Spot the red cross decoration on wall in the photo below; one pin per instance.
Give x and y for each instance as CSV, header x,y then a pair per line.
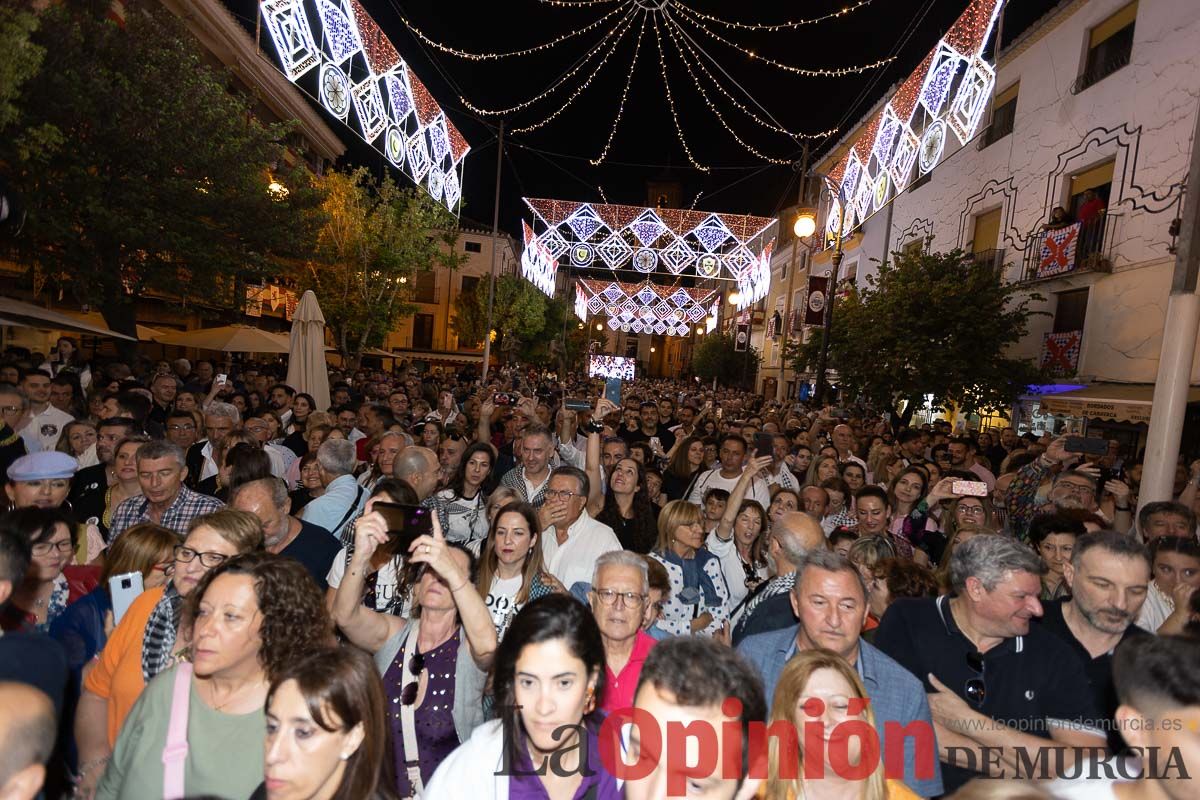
x,y
1058,251
1060,352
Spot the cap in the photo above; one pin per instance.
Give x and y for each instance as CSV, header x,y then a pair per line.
x,y
43,466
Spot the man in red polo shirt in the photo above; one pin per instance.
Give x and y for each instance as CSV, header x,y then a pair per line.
x,y
620,597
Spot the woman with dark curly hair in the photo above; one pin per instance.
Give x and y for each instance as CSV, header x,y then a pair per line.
x,y
626,508
198,727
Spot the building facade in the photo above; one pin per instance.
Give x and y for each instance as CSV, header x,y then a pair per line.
x,y
1093,113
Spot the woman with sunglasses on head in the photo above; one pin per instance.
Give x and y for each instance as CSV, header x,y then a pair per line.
x,y
146,641
549,671
462,505
434,666
327,732
738,539
511,571
197,729
51,583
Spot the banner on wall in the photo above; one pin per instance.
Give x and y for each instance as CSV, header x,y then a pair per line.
x,y
818,296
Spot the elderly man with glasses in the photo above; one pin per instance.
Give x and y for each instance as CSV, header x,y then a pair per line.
x,y
1076,488
572,540
620,602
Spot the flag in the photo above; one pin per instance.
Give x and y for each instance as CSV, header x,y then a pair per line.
x,y
741,340
814,311
1060,352
1058,251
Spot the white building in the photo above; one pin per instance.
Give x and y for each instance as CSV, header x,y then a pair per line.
x,y
1099,95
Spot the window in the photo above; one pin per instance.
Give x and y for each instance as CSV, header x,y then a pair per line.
x,y
423,332
914,248
850,271
1071,311
1004,114
921,181
631,347
469,284
425,288
473,247
1098,179
987,231
1110,45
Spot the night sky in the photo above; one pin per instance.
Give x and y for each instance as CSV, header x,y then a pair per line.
x,y
554,161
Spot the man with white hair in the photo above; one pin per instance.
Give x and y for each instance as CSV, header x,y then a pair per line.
x,y
219,420
343,497
997,685
619,598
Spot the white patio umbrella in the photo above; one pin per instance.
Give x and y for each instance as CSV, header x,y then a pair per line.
x,y
307,370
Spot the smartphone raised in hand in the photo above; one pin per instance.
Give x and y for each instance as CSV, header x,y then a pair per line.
x,y
969,489
405,523
612,391
764,444
124,589
1088,445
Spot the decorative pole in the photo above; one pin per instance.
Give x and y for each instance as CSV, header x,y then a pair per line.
x,y
487,334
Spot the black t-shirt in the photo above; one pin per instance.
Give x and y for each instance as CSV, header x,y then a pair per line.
x,y
1099,669
665,437
315,549
1033,682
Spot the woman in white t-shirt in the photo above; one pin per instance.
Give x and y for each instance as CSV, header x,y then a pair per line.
x,y
384,590
510,569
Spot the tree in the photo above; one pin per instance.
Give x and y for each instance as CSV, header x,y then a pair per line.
x,y
142,173
20,60
715,357
552,349
375,239
935,324
518,313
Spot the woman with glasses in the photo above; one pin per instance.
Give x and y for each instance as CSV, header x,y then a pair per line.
x,y
145,642
699,601
51,583
820,689
549,672
248,619
738,539
511,571
462,505
1053,536
434,666
967,511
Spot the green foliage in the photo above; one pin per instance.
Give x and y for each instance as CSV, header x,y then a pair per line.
x,y
518,313
374,241
929,324
552,349
20,57
142,172
714,357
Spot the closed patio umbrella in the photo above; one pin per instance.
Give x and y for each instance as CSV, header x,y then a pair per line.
x,y
307,370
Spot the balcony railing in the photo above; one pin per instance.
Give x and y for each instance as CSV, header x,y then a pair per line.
x,y
1079,247
993,258
1100,71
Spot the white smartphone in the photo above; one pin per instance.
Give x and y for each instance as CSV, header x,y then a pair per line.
x,y
124,589
222,378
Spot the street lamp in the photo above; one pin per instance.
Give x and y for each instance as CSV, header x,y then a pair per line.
x,y
806,223
599,326
830,291
735,297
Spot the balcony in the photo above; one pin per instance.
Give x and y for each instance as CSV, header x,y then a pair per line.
x,y
993,258
1079,247
1101,70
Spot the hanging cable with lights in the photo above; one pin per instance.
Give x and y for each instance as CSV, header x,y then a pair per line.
x,y
810,73
662,65
762,26
716,111
624,95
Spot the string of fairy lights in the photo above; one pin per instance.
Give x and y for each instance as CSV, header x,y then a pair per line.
x,y
679,20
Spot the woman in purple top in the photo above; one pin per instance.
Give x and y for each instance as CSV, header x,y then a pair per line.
x,y
549,670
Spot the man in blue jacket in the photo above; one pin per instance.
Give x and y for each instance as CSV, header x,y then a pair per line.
x,y
830,600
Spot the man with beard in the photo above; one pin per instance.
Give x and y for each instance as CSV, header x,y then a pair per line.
x,y
281,400
1109,576
1071,489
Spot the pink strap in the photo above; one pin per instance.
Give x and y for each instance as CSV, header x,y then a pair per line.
x,y
174,756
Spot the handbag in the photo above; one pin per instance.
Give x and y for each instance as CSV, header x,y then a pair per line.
x,y
174,755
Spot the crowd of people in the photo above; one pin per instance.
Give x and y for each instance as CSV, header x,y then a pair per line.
x,y
443,587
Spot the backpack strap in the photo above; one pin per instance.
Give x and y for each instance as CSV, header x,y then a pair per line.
x,y
174,755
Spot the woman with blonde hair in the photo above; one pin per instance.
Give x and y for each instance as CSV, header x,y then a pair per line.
x,y
819,687
820,470
699,601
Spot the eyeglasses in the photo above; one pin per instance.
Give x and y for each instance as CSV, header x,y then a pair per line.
x,y
555,494
46,548
209,560
12,409
971,511
975,689
1074,488
416,664
610,596
187,427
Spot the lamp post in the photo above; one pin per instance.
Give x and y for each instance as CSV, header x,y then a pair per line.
x,y
830,294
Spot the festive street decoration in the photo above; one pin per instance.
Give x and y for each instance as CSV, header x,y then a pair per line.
x,y
645,307
360,78
538,265
680,21
946,95
651,241
1058,251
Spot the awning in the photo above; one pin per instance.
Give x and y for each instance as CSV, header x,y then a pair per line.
x,y
1118,402
15,312
439,356
144,332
